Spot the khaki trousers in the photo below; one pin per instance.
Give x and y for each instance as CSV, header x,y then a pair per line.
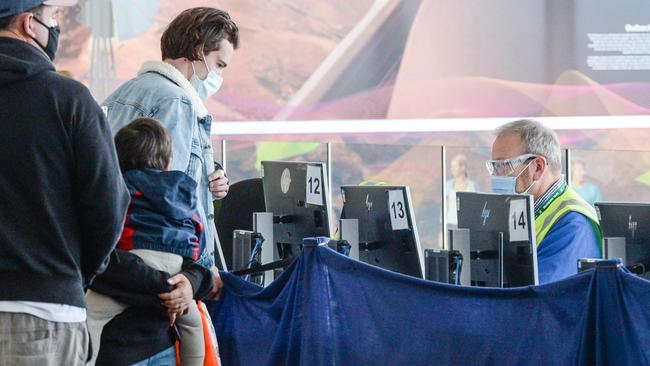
x,y
28,340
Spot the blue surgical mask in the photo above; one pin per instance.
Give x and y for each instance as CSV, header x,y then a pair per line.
x,y
506,184
210,85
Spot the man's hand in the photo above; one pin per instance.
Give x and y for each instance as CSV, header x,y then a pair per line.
x,y
217,285
178,300
218,184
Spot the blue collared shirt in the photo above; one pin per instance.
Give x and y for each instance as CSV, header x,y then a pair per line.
x,y
557,187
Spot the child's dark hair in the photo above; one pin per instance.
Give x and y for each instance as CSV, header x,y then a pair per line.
x,y
143,143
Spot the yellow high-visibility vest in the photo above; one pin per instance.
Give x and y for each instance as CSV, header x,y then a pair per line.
x,y
570,200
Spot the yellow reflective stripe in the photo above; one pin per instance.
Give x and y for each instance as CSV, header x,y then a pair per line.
x,y
554,216
568,201
577,205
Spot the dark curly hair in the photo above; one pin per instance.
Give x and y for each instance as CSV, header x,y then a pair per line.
x,y
195,28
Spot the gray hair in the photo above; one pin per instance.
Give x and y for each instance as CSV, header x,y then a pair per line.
x,y
537,139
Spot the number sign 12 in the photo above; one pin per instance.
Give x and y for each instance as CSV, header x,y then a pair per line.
x,y
314,185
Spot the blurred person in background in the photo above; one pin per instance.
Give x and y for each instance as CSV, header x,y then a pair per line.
x,y
589,191
459,183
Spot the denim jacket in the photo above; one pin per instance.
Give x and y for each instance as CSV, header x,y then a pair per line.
x,y
161,92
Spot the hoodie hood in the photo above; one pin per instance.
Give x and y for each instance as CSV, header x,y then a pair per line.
x,y
20,60
170,193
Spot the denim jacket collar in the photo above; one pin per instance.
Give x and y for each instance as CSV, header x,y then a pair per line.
x,y
171,73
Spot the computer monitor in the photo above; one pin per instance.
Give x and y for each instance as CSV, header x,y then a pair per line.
x,y
501,238
297,195
388,235
632,222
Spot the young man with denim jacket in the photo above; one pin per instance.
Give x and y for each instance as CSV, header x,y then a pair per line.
x,y
196,46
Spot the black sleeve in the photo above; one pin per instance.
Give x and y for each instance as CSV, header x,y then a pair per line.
x,y
102,196
200,278
129,280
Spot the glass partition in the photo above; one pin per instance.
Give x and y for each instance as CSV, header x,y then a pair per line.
x,y
598,175
622,176
465,172
416,166
244,157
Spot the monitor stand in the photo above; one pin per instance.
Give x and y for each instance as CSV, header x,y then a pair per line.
x,y
614,248
349,229
459,240
263,224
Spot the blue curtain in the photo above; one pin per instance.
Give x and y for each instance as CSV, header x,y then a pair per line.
x,y
329,310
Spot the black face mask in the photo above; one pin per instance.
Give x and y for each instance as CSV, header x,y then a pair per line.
x,y
52,41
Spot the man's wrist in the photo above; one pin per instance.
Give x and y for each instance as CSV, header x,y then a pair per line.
x,y
200,279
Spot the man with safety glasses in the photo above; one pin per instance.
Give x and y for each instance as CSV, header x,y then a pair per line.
x,y
527,159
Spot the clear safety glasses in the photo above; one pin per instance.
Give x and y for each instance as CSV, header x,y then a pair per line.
x,y
507,167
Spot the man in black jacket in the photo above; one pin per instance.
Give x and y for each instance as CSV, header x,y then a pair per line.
x,y
62,198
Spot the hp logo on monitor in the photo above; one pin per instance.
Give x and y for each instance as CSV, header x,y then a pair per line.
x,y
485,214
368,203
631,225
